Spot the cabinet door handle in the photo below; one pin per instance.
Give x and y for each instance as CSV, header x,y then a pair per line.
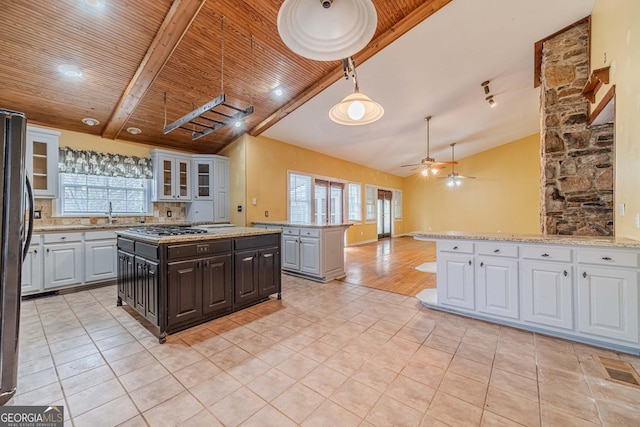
x,y
545,255
607,258
482,264
63,237
497,251
469,262
47,250
268,255
584,274
455,248
35,251
565,273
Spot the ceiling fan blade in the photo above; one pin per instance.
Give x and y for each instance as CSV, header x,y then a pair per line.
x,y
408,166
446,163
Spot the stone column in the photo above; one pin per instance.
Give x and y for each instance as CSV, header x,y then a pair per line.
x,y
577,161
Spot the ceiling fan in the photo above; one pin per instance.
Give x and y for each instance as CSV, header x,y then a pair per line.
x,y
428,164
454,179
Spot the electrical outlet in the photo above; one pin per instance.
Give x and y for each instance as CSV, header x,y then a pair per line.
x,y
266,214
254,201
168,214
37,214
638,220
621,208
239,208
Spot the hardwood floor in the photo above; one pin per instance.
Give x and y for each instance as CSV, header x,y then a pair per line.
x,y
389,265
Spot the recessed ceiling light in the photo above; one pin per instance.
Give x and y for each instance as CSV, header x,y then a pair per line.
x,y
278,91
90,121
238,123
70,71
94,3
134,131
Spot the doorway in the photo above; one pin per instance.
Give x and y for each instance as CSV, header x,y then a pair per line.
x,y
384,214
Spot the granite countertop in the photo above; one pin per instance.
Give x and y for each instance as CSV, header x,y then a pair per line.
x,y
95,227
619,242
212,233
305,225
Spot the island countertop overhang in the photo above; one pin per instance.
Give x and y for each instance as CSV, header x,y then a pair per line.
x,y
216,233
613,242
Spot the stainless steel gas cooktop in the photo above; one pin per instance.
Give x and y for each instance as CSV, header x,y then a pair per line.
x,y
167,230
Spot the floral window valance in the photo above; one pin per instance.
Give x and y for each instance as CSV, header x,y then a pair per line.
x,y
106,164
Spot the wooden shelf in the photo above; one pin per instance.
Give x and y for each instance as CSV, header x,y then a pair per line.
x,y
596,80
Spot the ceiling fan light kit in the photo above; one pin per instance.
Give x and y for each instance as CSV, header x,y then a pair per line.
x,y
327,30
454,179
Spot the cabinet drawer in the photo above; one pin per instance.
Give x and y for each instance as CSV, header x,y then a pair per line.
x,y
608,257
146,250
290,231
99,235
62,238
458,246
199,249
497,249
548,253
310,232
126,245
242,243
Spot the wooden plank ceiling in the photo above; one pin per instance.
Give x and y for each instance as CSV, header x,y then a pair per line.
x,y
133,52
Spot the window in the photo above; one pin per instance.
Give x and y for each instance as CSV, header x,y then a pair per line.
x,y
315,199
397,205
91,194
355,202
328,202
299,198
370,203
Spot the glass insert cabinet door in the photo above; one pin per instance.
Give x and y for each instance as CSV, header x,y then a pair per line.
x,y
203,175
183,178
167,178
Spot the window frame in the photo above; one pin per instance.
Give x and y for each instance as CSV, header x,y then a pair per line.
x,y
348,196
314,178
397,196
373,219
58,205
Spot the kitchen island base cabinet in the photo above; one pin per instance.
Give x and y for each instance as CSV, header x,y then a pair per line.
x,y
577,291
177,286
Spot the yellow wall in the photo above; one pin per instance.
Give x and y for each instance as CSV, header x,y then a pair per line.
x,y
267,164
237,180
85,141
503,197
615,31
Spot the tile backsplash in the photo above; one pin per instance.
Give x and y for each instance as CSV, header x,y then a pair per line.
x,y
178,214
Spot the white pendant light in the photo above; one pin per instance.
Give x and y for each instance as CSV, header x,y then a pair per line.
x,y
327,30
356,108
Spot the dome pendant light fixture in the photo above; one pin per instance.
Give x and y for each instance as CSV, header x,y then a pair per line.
x,y
327,30
356,108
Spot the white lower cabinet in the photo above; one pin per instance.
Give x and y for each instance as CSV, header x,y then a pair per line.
x,y
310,255
608,303
100,251
32,277
547,294
314,252
291,252
456,271
62,263
58,260
532,286
497,286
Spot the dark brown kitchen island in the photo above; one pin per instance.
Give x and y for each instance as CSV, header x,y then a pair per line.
x,y
179,277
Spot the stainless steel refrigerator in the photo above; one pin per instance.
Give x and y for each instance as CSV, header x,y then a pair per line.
x,y
16,226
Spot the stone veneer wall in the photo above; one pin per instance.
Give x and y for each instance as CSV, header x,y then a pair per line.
x,y
577,161
178,214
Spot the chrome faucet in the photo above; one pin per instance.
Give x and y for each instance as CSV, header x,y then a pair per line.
x,y
110,214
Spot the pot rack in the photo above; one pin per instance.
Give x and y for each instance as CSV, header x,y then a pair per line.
x,y
216,113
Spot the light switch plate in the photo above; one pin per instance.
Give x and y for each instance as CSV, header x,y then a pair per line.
x,y
621,208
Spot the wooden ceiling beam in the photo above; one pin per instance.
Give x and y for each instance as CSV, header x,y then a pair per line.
x,y
173,28
418,15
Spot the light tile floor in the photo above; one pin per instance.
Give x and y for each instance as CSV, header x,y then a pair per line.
x,y
326,355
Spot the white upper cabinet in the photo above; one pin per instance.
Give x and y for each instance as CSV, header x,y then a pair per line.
x,y
203,178
171,175
42,161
